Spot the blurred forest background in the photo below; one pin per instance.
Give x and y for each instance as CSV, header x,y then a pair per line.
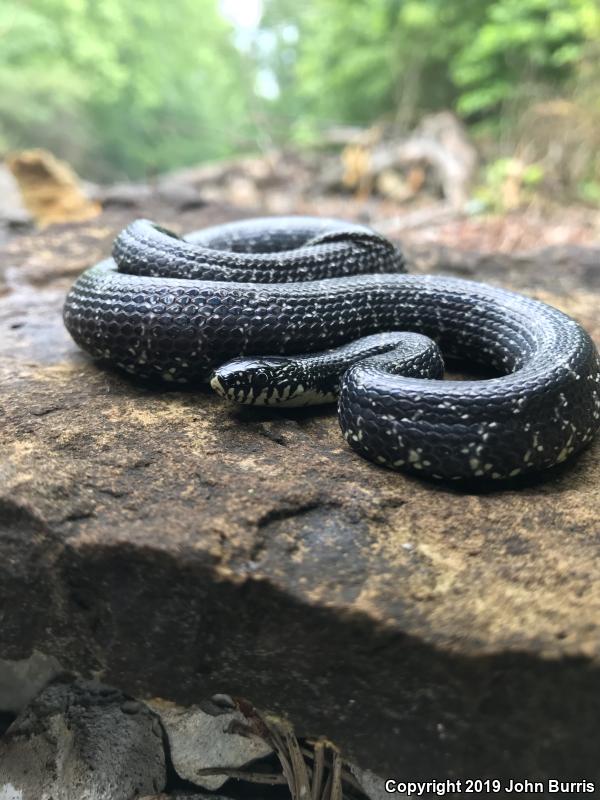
x,y
125,90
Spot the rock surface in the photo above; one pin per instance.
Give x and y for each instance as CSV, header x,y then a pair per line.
x,y
82,740
50,189
181,548
20,681
373,786
199,740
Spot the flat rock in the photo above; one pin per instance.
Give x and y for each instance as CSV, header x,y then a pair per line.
x,y
82,740
180,548
200,741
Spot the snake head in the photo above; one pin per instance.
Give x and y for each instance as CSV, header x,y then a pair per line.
x,y
261,380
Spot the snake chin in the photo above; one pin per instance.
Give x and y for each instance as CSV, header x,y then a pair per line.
x,y
217,386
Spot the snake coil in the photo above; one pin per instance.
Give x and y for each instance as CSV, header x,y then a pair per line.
x,y
299,310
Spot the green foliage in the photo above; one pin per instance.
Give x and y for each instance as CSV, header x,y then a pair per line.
x,y
521,46
121,88
355,61
590,192
507,183
125,89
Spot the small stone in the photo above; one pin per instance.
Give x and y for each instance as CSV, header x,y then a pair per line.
x,y
73,741
223,700
372,785
200,741
131,707
21,680
50,189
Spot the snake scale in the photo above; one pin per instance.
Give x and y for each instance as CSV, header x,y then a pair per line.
x,y
299,310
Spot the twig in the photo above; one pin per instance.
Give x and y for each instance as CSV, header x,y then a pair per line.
x,y
251,777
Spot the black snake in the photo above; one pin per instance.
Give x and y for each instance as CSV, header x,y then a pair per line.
x,y
289,298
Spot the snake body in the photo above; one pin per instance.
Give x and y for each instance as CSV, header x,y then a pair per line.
x,y
298,310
